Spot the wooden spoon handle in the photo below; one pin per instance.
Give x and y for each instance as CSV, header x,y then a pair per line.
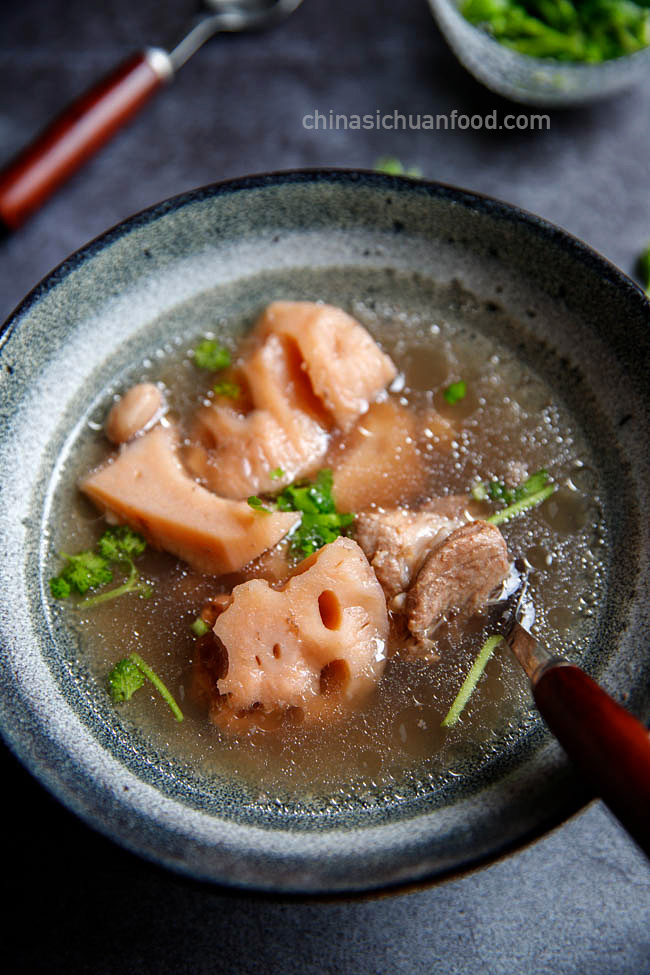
x,y
608,745
78,133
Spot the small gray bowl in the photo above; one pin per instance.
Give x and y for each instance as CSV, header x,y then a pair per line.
x,y
331,234
535,81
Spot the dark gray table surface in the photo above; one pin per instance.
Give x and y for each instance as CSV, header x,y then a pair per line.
x,y
578,901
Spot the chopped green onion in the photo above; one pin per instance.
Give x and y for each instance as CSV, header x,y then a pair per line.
x,y
212,355
470,682
199,627
231,390
455,392
531,501
276,473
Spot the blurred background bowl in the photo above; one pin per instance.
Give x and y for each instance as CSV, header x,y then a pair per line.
x,y
542,82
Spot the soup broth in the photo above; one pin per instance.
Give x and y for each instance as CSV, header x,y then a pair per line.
x,y
510,421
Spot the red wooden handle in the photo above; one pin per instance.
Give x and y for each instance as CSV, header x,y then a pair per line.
x,y
78,133
608,745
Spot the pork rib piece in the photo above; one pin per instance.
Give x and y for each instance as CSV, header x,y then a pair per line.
x,y
397,541
458,573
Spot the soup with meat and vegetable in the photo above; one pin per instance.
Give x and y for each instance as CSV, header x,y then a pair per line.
x,y
284,552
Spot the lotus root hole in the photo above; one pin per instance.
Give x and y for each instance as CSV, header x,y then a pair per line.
x,y
334,677
330,610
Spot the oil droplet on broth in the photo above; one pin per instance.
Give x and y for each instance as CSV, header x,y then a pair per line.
x,y
504,420
566,511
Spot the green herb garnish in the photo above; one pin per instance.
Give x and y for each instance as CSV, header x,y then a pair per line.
x,y
258,505
128,676
321,522
497,491
393,167
455,392
121,544
124,680
644,269
470,682
199,627
565,30
276,473
531,501
212,355
231,390
534,490
117,548
84,571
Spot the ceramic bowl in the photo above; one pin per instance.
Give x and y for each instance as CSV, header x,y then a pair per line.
x,y
331,234
535,81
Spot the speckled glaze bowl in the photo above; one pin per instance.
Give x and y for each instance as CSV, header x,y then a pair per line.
x,y
582,324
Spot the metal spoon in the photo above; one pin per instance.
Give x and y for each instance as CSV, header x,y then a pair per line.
x,y
609,747
86,125
229,16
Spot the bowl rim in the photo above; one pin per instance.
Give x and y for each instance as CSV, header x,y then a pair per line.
x,y
483,202
554,235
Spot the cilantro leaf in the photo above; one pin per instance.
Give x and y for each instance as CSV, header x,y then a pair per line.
x,y
124,680
121,544
534,490
521,505
321,522
565,30
228,389
258,505
85,571
128,676
91,569
497,491
644,269
212,355
470,682
455,392
60,587
316,530
393,167
532,485
199,627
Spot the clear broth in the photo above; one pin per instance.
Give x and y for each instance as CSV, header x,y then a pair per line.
x,y
509,417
